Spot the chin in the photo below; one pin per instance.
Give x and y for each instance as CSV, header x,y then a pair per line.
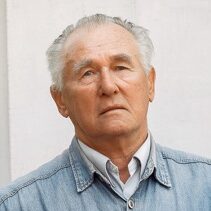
x,y
116,130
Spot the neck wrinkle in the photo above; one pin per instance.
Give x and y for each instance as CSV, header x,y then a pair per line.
x,y
122,147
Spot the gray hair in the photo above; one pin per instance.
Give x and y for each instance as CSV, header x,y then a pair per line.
x,y
55,53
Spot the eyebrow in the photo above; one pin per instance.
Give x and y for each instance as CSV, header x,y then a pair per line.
x,y
122,58
76,66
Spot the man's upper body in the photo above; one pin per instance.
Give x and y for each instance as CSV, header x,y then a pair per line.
x,y
171,180
103,81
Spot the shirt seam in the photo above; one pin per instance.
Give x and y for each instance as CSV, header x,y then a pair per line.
x,y
187,161
30,182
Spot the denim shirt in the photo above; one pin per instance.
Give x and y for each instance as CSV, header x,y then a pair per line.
x,y
178,182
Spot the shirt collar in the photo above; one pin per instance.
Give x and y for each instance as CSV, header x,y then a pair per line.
x,y
98,160
157,165
142,154
104,165
83,170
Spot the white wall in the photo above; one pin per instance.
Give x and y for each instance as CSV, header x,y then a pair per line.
x,y
4,124
180,115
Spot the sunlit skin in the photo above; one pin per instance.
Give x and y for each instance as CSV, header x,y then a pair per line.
x,y
106,92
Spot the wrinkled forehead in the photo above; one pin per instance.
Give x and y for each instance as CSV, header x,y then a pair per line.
x,y
102,39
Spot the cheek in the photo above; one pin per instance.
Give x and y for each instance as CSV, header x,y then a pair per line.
x,y
137,86
138,96
80,100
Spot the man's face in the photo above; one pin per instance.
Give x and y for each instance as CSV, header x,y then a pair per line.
x,y
105,89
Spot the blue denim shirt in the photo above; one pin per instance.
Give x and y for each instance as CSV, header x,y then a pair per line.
x,y
178,182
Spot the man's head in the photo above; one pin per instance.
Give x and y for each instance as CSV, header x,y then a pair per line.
x,y
56,57
105,80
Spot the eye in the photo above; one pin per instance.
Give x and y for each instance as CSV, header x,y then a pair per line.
x,y
88,73
88,76
119,68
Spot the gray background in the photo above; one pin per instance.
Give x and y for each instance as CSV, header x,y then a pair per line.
x,y
31,130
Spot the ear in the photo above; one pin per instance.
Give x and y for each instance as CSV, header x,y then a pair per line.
x,y
58,98
151,83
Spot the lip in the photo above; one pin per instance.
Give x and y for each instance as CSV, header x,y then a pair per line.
x,y
110,108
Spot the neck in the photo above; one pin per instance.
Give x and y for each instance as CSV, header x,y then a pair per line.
x,y
122,156
119,150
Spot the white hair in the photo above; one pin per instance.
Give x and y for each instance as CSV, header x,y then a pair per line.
x,y
55,53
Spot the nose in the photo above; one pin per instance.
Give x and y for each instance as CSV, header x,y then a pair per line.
x,y
107,83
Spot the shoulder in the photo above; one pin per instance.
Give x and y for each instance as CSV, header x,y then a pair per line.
x,y
46,171
185,168
181,157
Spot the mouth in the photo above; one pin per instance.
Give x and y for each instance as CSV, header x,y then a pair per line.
x,y
112,108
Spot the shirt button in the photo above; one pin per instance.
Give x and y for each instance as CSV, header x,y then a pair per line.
x,y
131,204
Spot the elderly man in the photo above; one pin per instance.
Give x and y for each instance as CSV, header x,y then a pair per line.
x,y
103,81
